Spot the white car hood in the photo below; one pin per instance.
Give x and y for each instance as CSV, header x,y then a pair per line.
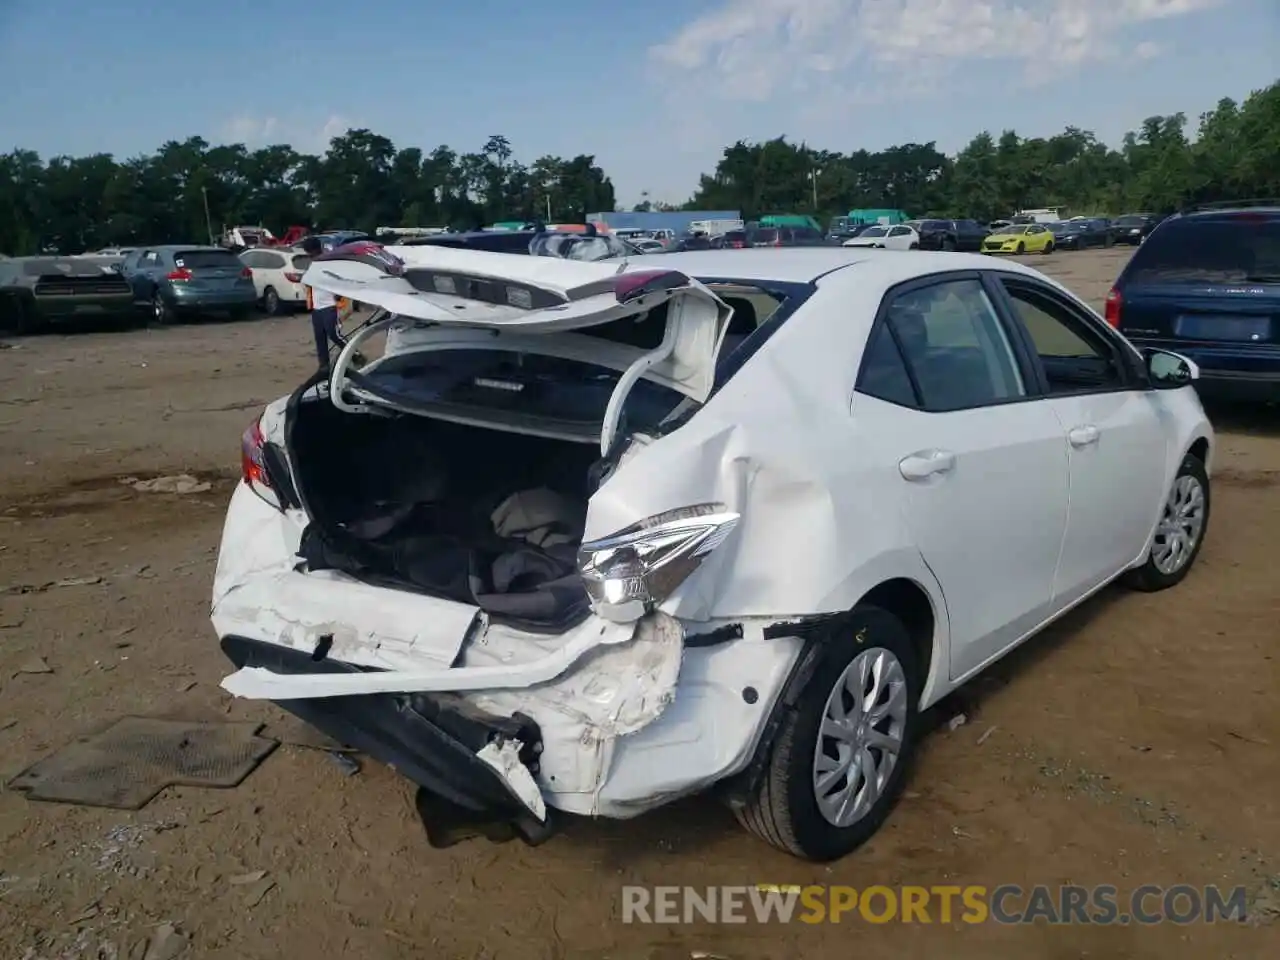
x,y
527,295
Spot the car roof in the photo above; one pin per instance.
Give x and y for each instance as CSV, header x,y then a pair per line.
x,y
179,246
809,264
1271,211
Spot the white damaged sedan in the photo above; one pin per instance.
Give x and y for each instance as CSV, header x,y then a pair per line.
x,y
589,537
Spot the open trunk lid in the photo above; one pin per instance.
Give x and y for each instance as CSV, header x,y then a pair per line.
x,y
534,296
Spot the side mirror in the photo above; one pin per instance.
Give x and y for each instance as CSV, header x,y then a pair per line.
x,y
1169,371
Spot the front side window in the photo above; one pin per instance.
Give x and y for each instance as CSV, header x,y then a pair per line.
x,y
953,343
1075,358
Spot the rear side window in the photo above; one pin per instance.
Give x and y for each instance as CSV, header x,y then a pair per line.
x,y
954,345
206,259
1236,249
301,263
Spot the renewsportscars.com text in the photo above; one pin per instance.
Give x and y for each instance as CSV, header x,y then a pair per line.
x,y
1005,904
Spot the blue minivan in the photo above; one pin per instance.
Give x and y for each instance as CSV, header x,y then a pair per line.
x,y
1206,283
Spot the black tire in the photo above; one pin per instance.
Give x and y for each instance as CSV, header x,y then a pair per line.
x,y
271,305
784,809
914,246
18,314
1022,247
161,313
1048,249
1149,578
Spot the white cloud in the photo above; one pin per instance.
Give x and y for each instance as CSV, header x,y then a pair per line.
x,y
261,131
754,50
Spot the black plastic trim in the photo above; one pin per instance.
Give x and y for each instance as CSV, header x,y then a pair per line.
x,y
430,741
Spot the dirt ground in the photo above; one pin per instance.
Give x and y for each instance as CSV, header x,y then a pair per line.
x,y
1134,743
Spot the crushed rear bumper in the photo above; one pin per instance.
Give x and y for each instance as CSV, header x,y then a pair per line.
x,y
433,740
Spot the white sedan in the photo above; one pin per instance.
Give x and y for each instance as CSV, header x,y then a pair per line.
x,y
900,237
588,539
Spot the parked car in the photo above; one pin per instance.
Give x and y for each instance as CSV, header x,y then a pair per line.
x,y
950,234
179,280
784,236
277,277
108,258
731,240
1207,283
590,245
1079,234
1133,228
899,237
332,239
1020,238
597,550
35,291
646,245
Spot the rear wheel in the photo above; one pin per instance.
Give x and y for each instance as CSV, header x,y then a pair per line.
x,y
271,302
914,246
1180,532
1048,248
18,314
842,751
161,312
1022,247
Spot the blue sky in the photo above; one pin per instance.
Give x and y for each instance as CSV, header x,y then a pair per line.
x,y
655,88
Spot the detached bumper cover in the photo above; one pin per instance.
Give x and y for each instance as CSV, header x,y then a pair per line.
x,y
451,750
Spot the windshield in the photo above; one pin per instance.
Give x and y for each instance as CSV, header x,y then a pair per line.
x,y
38,268
874,232
1238,249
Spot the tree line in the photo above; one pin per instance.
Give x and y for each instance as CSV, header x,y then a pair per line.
x,y
186,190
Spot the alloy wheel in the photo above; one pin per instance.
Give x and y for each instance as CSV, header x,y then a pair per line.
x,y
1180,527
861,737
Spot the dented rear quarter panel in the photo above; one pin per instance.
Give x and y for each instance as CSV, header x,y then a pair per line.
x,y
779,444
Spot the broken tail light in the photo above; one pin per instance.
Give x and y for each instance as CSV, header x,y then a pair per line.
x,y
633,286
253,464
629,573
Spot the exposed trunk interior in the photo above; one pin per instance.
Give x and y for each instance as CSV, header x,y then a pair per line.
x,y
479,516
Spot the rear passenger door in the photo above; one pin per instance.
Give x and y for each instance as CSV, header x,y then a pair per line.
x,y
981,462
1115,438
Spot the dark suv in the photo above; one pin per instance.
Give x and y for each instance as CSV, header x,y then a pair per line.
x,y
1133,228
950,234
1206,283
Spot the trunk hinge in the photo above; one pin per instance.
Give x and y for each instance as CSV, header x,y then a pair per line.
x,y
613,412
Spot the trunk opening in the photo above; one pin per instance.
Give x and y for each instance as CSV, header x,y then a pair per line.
x,y
483,517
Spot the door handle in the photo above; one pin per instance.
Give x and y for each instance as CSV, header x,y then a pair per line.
x,y
1083,436
925,464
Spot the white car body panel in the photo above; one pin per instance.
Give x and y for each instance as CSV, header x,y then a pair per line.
x,y
291,292
632,715
894,237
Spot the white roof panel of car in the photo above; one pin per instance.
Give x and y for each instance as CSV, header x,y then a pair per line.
x,y
807,264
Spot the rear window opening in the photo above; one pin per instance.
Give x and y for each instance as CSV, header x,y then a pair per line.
x,y
1218,250
207,259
